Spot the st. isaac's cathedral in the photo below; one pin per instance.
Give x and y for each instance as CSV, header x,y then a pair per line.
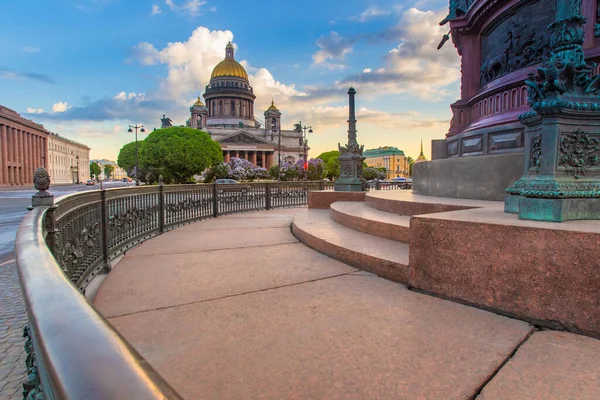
x,y
228,116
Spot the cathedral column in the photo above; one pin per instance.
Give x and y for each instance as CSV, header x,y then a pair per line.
x,y
264,159
270,159
21,157
227,156
236,154
254,157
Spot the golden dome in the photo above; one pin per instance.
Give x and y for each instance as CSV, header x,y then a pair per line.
x,y
199,102
272,107
229,67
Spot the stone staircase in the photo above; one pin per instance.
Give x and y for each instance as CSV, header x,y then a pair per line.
x,y
372,235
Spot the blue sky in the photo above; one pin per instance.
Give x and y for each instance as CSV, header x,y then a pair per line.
x,y
88,68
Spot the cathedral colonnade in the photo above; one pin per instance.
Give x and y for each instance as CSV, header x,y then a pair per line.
x,y
23,148
260,158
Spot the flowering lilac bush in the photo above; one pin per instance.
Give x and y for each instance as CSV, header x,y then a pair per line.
x,y
295,171
238,169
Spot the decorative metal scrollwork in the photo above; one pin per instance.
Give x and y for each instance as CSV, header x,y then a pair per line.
x,y
73,252
120,221
577,152
536,153
188,204
32,387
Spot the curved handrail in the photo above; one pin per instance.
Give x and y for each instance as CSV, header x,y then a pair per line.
x,y
76,353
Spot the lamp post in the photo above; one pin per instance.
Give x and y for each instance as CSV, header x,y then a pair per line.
x,y
142,130
77,158
305,143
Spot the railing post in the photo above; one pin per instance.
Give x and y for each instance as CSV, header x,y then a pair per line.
x,y
50,224
215,201
321,185
377,187
268,195
104,226
161,205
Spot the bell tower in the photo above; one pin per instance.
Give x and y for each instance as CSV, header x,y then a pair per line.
x,y
199,114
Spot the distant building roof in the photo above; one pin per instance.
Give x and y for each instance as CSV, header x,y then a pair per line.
x,y
68,140
383,151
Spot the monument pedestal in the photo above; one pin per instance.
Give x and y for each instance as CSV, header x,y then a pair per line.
x,y
561,180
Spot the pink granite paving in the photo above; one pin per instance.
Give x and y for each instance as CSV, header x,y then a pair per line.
x,y
549,366
249,313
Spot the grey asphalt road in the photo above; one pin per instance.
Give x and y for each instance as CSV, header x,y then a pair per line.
x,y
13,207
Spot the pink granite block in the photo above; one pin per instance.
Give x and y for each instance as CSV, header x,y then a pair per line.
x,y
544,272
324,198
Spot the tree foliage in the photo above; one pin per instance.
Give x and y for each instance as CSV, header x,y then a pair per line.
x,y
328,155
126,158
410,165
178,153
332,168
94,170
108,170
370,173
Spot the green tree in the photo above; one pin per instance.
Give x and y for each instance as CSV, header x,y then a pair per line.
x,y
410,165
94,170
329,154
370,173
108,170
332,168
126,158
178,153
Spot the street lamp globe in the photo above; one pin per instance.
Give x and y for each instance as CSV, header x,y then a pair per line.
x,y
310,130
129,130
142,130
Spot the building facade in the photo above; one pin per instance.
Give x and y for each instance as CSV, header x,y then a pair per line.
x,y
390,158
23,148
117,174
68,160
228,116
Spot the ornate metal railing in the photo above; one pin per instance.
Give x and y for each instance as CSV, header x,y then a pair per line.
x,y
62,247
388,185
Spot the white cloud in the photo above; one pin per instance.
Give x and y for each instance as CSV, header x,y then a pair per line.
x,y
415,65
192,8
34,110
130,96
60,107
332,46
31,49
155,10
369,13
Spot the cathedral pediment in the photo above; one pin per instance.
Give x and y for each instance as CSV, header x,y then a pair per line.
x,y
243,137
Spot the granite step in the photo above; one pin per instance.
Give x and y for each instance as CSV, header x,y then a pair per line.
x,y
360,217
404,202
383,257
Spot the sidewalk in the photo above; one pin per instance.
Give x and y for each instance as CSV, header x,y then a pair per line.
x,y
237,308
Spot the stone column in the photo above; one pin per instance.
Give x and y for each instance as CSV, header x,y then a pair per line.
x,y
31,163
227,157
253,157
35,152
3,155
21,157
45,152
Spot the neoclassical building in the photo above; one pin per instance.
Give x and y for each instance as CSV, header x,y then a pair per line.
x,y
23,148
68,160
227,114
390,158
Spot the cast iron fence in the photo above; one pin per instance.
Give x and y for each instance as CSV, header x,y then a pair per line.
x,y
61,248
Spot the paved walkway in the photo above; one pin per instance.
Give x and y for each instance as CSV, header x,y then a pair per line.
x,y
12,320
237,308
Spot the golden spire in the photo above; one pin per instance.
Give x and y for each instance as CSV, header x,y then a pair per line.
x,y
421,155
272,107
199,102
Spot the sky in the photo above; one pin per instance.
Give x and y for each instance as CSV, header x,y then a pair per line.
x,y
87,69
